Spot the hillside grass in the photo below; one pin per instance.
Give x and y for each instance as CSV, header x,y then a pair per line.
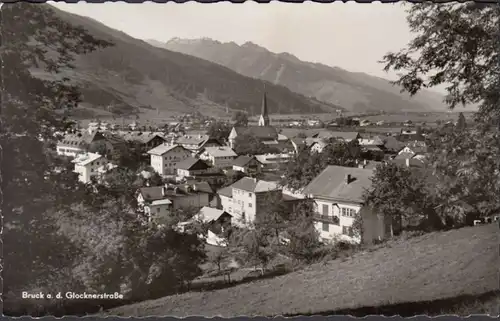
x,y
434,266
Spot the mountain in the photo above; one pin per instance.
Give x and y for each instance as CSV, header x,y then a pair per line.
x,y
355,91
135,78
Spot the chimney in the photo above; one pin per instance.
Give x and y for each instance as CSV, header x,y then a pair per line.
x,y
348,178
407,162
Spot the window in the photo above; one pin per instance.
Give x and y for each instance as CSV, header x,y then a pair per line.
x,y
230,210
347,230
326,227
249,204
348,212
158,210
325,209
249,194
243,216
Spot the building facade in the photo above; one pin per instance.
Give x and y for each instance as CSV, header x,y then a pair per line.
x,y
164,158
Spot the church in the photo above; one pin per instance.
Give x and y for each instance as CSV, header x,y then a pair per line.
x,y
264,132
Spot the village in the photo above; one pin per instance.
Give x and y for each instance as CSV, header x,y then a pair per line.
x,y
195,169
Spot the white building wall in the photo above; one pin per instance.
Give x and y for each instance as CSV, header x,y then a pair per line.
x,y
86,172
69,151
334,231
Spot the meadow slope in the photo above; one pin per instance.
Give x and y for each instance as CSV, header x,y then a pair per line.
x,y
429,267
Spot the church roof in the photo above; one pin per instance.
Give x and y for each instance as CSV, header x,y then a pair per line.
x,y
261,132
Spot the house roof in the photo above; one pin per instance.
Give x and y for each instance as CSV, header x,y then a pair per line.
x,y
403,156
87,158
253,185
197,140
332,183
273,158
226,191
348,136
375,140
391,143
418,147
261,132
143,137
209,214
220,151
192,163
79,140
243,160
162,149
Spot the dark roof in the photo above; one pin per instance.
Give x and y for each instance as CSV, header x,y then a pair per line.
x,y
404,156
414,162
392,144
243,160
331,183
226,191
192,163
338,135
261,132
80,139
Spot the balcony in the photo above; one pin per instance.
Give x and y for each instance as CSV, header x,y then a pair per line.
x,y
327,219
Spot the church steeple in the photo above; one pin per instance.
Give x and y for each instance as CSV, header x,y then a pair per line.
x,y
264,117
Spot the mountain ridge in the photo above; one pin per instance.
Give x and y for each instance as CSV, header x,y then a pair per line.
x,y
134,78
356,91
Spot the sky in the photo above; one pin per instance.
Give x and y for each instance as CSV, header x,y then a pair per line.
x,y
353,36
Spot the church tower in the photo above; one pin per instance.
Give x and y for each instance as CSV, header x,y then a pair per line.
x,y
264,117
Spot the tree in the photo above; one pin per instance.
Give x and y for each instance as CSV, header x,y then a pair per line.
x,y
306,165
304,238
33,108
220,131
250,145
461,159
400,193
461,123
455,44
240,119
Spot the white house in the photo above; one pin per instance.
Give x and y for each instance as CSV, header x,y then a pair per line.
x,y
246,198
161,200
89,165
220,156
217,222
165,157
338,195
273,161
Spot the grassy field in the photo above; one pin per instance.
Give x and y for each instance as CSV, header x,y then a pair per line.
x,y
430,267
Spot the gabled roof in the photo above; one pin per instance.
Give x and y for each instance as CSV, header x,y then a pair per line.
x,y
226,191
413,162
197,140
220,151
192,163
162,149
392,144
253,185
79,140
261,132
332,184
143,137
209,214
243,160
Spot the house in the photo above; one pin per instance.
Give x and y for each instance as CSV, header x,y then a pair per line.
x,y
345,136
220,156
80,143
147,140
191,167
217,222
164,158
371,141
392,145
246,198
88,166
196,143
247,164
272,162
263,132
159,201
338,194
410,162
364,123
412,149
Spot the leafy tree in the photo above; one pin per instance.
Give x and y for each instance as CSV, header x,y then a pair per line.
x,y
467,170
455,44
219,131
461,123
275,216
302,135
33,108
250,145
304,238
240,119
400,193
306,165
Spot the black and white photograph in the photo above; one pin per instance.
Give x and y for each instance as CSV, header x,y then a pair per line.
x,y
252,159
